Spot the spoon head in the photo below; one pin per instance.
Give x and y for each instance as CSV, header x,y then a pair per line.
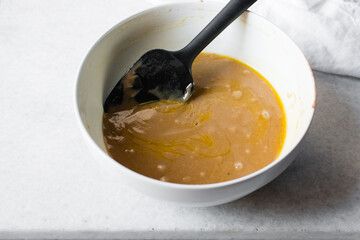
x,y
157,75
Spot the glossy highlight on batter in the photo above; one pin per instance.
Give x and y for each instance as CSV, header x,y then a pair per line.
x,y
232,126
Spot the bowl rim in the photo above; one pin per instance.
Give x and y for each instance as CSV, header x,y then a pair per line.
x,y
180,186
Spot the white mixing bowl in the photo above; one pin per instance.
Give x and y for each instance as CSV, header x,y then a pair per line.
x,y
250,39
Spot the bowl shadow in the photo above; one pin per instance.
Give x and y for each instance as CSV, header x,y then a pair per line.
x,y
325,173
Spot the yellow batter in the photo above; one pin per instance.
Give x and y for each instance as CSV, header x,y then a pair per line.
x,y
232,126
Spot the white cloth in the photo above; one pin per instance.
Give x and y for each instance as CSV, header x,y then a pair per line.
x,y
327,31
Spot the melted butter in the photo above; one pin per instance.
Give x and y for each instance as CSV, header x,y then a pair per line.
x,y
233,125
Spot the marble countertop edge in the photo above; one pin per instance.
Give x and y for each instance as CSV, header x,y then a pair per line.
x,y
177,234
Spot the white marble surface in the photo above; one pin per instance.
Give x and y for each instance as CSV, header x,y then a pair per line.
x,y
51,188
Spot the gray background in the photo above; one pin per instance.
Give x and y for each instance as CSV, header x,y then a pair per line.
x,y
51,187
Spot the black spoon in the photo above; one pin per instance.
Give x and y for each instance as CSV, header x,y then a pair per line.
x,y
161,74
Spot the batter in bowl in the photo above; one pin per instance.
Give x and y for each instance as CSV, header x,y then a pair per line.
x,y
232,126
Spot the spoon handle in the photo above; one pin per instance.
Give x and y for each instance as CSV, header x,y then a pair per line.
x,y
226,16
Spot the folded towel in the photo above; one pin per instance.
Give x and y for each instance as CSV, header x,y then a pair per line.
x,y
327,31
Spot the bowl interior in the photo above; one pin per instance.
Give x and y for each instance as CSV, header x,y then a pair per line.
x,y
250,39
